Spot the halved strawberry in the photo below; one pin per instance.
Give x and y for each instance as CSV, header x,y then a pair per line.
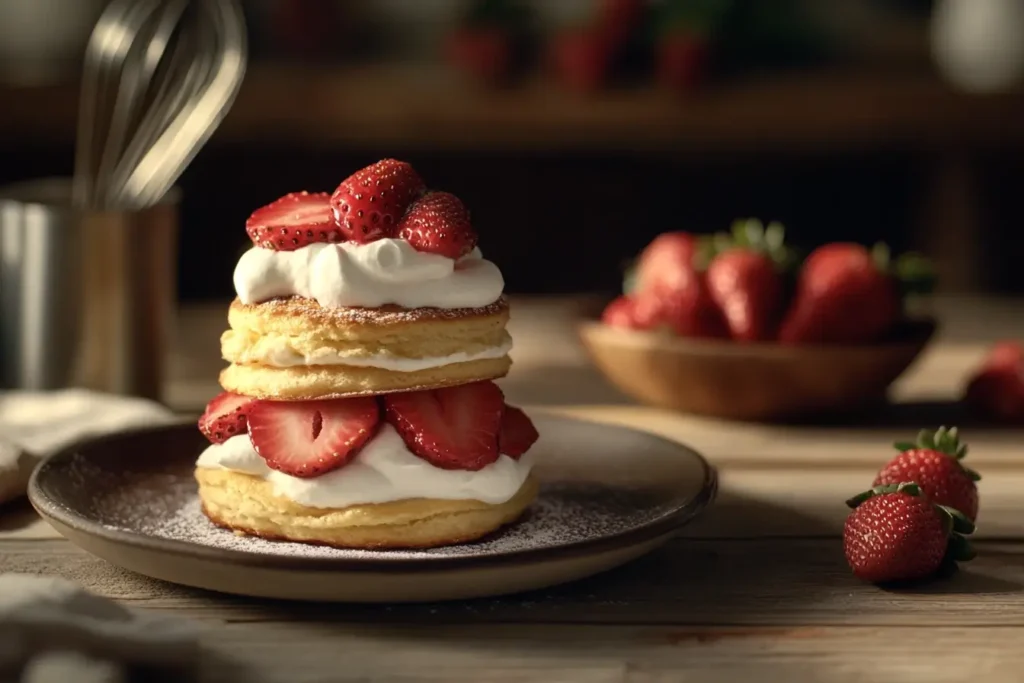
x,y
369,203
455,428
438,223
517,433
309,438
225,416
293,221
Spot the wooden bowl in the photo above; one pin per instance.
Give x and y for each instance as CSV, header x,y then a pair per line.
x,y
757,382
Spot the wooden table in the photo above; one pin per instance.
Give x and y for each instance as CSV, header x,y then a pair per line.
x,y
755,590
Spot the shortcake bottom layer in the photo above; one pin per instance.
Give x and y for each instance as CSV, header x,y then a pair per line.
x,y
247,504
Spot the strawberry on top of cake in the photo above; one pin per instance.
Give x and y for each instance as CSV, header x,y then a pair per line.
x,y
380,238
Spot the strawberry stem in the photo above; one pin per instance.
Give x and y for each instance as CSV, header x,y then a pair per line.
x,y
908,487
752,234
958,526
961,524
960,549
915,274
912,271
944,440
629,277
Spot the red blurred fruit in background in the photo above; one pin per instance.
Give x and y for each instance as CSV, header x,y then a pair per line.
x,y
484,53
620,313
748,290
996,390
688,311
667,262
616,21
844,295
581,59
682,60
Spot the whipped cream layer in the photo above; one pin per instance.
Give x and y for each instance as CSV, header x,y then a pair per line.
x,y
384,471
279,353
388,271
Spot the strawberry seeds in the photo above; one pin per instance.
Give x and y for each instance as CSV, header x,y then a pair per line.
x,y
464,427
385,200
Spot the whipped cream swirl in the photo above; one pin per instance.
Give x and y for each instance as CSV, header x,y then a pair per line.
x,y
387,271
385,470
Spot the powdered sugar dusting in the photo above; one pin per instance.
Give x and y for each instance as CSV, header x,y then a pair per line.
x,y
561,515
164,504
143,483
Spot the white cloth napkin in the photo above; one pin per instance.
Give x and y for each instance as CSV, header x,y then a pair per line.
x,y
35,424
53,631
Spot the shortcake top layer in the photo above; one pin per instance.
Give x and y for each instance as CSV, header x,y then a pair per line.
x,y
386,271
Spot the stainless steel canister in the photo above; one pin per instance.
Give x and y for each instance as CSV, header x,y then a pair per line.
x,y
86,297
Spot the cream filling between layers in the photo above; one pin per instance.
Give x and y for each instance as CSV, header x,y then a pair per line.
x,y
384,471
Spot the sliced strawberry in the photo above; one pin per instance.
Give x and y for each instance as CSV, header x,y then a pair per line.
x,y
225,417
438,223
517,433
293,221
454,428
309,438
369,203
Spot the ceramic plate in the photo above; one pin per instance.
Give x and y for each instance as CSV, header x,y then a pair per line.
x,y
608,495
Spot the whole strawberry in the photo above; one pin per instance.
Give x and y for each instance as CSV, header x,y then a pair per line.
x,y
896,534
369,203
666,263
933,462
620,313
848,294
745,280
687,311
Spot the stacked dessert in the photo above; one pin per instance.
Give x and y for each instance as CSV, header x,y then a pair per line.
x,y
359,408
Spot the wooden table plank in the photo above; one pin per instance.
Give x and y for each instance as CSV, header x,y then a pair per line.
x,y
631,654
756,589
690,582
707,611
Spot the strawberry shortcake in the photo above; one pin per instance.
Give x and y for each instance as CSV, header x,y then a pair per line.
x,y
360,409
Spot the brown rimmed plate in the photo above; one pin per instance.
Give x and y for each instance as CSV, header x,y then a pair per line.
x,y
609,494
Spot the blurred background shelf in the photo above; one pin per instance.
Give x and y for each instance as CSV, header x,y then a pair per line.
x,y
380,106
845,120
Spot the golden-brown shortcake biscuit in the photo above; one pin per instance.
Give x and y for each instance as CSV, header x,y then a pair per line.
x,y
247,504
294,349
327,382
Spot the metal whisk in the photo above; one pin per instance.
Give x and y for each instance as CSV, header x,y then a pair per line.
x,y
159,77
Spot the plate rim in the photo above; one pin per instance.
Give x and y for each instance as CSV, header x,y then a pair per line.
x,y
50,508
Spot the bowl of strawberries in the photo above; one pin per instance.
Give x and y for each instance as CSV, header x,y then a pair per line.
x,y
740,326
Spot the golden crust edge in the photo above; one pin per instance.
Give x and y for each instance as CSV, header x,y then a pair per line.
x,y
308,383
